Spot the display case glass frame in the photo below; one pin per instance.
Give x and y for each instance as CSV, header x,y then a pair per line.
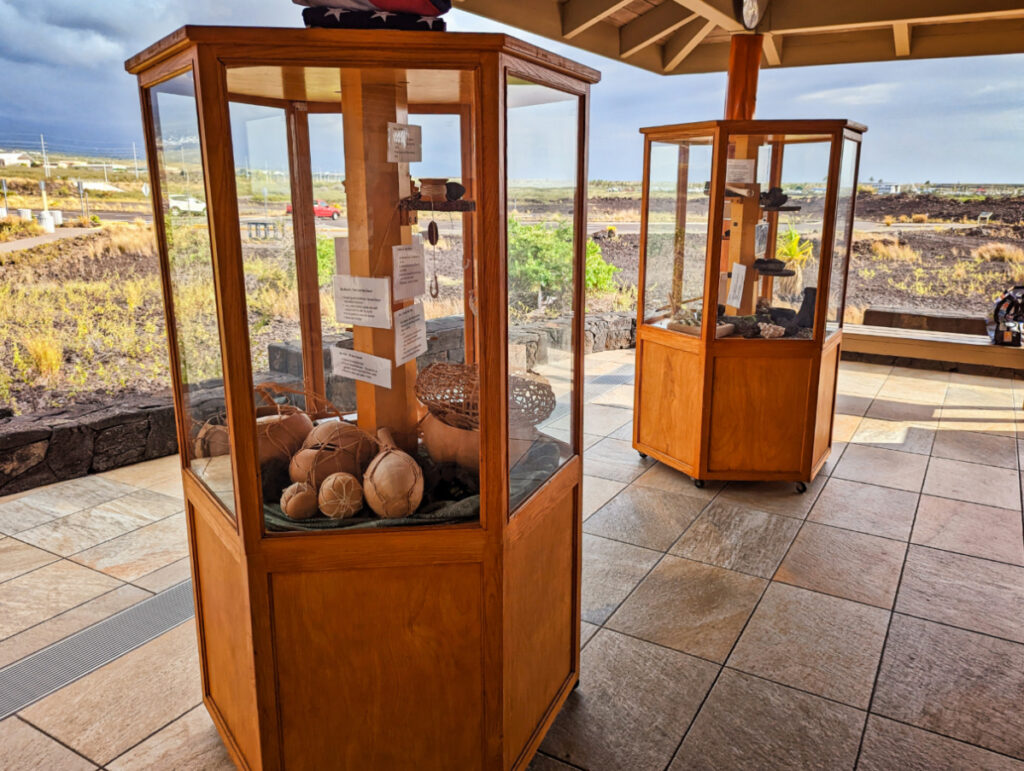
x,y
476,621
745,392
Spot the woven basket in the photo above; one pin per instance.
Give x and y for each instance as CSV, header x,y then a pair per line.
x,y
452,394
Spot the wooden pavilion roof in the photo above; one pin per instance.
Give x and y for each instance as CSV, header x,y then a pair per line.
x,y
685,36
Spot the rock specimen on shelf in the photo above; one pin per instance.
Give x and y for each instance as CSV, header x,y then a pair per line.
x,y
771,331
805,316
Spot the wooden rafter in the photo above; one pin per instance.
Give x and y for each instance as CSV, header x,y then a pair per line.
x,y
579,15
773,49
649,27
901,38
683,41
718,11
798,16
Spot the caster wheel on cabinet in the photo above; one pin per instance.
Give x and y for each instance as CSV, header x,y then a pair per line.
x,y
698,483
801,488
643,455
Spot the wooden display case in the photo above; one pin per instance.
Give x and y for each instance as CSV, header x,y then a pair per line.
x,y
745,246
443,632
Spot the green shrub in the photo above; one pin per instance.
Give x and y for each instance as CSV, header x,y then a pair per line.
x,y
540,264
324,260
793,249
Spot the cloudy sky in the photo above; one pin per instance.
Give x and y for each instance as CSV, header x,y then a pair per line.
x,y
944,120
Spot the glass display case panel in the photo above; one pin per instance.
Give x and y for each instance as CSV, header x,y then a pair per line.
x,y
387,433
843,235
774,202
542,130
183,208
675,262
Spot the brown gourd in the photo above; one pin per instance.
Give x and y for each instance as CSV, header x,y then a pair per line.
x,y
393,482
340,496
299,501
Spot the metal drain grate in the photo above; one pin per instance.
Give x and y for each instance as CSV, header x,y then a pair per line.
x,y
57,665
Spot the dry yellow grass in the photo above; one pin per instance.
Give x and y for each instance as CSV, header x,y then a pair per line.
x,y
919,218
997,252
884,251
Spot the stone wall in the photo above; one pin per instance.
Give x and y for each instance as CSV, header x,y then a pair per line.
x,y
63,444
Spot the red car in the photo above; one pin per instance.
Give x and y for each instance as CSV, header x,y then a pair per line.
x,y
321,209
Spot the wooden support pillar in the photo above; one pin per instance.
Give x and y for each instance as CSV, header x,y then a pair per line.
x,y
370,99
744,67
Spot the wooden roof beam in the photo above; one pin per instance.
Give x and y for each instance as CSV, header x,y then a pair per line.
x,y
684,41
718,11
809,16
772,49
579,15
901,38
650,27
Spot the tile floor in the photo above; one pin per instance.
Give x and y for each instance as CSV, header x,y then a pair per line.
x,y
874,622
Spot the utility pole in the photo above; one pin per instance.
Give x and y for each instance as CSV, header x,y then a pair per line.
x,y
135,160
46,166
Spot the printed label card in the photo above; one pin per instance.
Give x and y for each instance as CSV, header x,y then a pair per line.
x,y
362,302
405,143
407,270
410,334
361,366
739,280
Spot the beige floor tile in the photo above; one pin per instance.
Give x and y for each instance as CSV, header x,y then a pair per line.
x,y
587,630
973,482
16,516
597,492
141,551
774,497
980,381
844,563
124,702
749,723
190,742
17,558
633,705
22,748
667,478
614,459
144,474
813,642
34,597
887,468
865,508
890,409
67,623
844,427
82,530
564,435
77,494
644,516
968,592
913,389
919,373
895,435
852,406
598,419
624,432
611,570
986,449
691,607
543,762
616,396
982,420
833,459
738,538
166,577
978,396
954,682
970,528
889,745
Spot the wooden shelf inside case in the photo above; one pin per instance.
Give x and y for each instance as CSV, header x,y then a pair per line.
x,y
418,204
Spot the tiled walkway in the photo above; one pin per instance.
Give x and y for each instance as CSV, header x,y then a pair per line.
x,y
877,620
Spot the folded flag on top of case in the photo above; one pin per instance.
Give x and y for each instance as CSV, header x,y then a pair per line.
x,y
375,14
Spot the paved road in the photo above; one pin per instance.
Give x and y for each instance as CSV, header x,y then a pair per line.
x,y
28,243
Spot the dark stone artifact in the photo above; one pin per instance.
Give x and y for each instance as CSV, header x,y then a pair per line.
x,y
805,316
774,198
454,191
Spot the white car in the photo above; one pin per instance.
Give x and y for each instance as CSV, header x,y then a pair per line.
x,y
181,203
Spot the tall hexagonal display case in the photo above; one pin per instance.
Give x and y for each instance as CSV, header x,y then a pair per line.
x,y
744,252
382,480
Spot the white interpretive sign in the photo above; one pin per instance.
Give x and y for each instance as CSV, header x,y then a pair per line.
x,y
405,143
363,302
342,264
410,334
361,366
739,171
407,270
739,280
